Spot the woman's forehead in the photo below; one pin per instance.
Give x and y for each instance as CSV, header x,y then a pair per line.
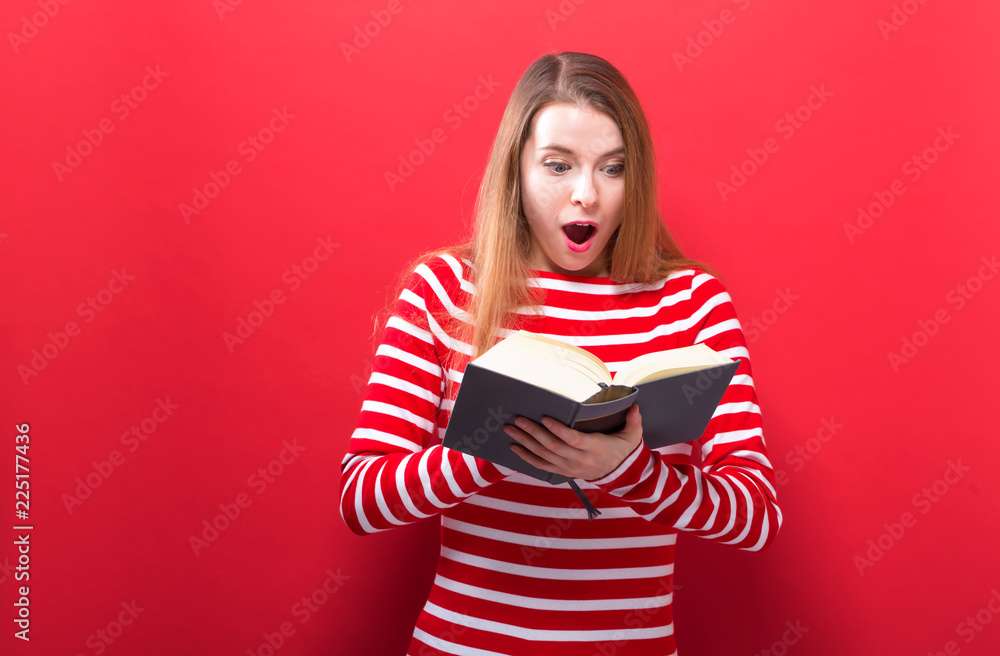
x,y
583,131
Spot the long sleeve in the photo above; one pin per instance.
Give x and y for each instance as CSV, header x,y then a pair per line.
x,y
730,497
396,471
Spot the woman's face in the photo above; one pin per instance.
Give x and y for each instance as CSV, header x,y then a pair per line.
x,y
572,173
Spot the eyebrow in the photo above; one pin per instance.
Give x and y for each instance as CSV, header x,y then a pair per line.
x,y
564,149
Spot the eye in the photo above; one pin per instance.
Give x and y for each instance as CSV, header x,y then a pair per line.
x,y
550,165
620,168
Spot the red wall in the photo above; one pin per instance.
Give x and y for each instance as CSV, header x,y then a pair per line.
x,y
885,332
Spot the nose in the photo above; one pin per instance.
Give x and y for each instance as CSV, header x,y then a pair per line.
x,y
584,191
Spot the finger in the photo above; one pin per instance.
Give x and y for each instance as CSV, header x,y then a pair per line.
x,y
556,450
638,419
569,439
633,421
534,460
529,438
553,435
635,416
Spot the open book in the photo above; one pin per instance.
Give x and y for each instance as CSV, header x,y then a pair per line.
x,y
530,375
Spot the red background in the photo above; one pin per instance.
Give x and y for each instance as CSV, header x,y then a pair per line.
x,y
298,376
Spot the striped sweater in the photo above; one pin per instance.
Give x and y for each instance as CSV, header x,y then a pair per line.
x,y
521,570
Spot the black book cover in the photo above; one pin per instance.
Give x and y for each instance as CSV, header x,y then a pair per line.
x,y
674,409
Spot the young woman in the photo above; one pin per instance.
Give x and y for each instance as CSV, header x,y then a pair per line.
x,y
568,243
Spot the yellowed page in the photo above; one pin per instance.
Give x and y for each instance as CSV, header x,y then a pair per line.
x,y
661,364
544,368
575,349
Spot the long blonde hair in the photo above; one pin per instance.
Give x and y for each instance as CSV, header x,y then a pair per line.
x,y
641,250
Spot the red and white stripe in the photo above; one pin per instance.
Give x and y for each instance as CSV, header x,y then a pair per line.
x,y
522,570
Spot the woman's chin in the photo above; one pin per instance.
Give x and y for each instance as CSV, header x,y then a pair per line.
x,y
585,267
570,262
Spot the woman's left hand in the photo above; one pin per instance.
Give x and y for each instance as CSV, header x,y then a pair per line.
x,y
553,446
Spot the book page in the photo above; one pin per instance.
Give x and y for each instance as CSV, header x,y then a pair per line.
x,y
597,367
545,367
612,393
671,362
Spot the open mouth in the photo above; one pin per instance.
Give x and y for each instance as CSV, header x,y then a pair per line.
x,y
579,233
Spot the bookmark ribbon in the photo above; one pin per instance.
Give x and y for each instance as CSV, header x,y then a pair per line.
x,y
592,512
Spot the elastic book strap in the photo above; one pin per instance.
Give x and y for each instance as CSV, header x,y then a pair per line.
x,y
592,512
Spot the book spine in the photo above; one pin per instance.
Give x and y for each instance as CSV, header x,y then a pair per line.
x,y
576,413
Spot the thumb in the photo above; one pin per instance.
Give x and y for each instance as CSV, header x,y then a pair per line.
x,y
633,420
